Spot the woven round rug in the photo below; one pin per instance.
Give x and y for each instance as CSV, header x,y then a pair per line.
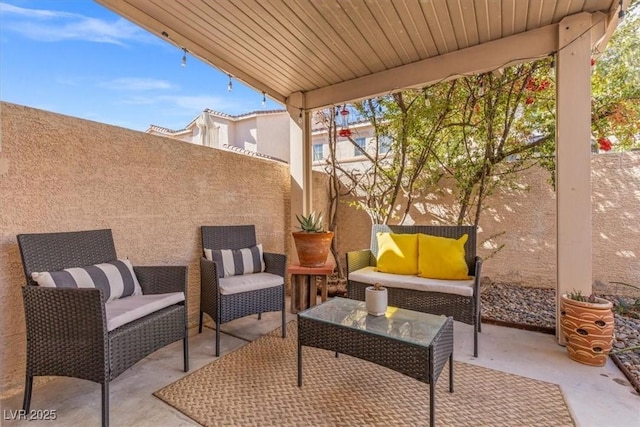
x,y
256,385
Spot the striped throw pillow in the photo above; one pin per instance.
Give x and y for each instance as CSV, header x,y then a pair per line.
x,y
115,278
235,262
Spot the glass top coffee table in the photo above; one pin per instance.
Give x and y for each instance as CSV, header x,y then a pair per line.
x,y
412,343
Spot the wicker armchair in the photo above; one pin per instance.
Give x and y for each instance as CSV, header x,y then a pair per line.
x,y
223,308
67,331
461,308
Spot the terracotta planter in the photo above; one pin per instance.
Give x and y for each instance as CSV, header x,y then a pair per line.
x,y
588,329
312,248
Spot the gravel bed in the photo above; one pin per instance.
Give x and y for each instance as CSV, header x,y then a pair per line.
x,y
536,307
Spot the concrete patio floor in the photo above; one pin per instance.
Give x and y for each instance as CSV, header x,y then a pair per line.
x,y
595,396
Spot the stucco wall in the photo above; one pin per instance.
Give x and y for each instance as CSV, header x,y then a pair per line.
x,y
527,219
63,174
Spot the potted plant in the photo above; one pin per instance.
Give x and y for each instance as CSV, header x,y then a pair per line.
x,y
312,241
587,325
375,298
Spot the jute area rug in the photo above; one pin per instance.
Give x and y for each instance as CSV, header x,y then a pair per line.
x,y
256,385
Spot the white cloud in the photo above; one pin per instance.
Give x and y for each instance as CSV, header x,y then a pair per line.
x,y
194,102
136,83
54,26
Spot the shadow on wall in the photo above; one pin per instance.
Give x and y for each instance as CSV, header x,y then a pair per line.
x,y
520,224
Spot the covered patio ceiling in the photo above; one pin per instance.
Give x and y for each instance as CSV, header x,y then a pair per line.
x,y
312,53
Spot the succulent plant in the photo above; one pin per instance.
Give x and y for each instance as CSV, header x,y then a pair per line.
x,y
576,295
310,223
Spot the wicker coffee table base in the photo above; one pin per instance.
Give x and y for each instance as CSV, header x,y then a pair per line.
x,y
424,363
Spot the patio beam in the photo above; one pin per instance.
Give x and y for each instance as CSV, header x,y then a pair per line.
x,y
484,57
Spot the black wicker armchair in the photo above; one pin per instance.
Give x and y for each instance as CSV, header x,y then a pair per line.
x,y
223,307
464,309
67,328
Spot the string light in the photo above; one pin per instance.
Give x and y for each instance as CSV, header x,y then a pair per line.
x,y
184,57
230,85
264,99
300,117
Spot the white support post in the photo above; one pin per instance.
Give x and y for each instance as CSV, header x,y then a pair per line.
x,y
573,158
307,164
300,163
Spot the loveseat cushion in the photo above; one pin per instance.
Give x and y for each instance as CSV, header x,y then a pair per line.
x,y
397,253
442,257
249,282
370,276
125,310
235,262
115,278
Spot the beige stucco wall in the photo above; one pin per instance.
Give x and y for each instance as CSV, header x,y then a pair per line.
x,y
527,219
59,173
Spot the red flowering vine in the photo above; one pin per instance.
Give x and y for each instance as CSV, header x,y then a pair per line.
x,y
604,144
535,85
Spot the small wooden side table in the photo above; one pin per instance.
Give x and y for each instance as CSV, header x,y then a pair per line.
x,y
303,285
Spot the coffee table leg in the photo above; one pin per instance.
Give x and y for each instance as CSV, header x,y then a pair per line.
x,y
451,373
299,362
432,404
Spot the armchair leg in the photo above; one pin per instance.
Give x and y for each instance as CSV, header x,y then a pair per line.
x,y
185,350
475,340
284,322
217,339
28,387
200,324
259,316
105,404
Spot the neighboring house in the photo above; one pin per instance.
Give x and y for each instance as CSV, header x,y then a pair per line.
x,y
266,134
258,133
349,155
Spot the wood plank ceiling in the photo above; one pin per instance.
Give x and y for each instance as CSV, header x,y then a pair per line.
x,y
282,47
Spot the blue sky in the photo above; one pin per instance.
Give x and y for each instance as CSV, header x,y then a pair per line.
x,y
76,57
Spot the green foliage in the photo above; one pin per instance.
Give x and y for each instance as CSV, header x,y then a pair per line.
x,y
576,295
615,85
625,308
478,132
310,223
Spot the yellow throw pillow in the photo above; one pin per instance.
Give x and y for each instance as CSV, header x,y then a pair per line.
x,y
397,253
442,257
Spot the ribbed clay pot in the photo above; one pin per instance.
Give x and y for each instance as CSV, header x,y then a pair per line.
x,y
312,248
588,329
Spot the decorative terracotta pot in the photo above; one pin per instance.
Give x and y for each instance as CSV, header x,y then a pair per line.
x,y
312,248
375,301
588,329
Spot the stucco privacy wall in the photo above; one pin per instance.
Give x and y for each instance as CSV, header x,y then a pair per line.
x,y
527,219
68,174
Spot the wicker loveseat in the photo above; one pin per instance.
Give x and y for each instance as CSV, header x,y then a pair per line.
x,y
463,306
72,331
